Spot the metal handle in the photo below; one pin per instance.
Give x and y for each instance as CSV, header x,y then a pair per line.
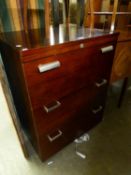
x,y
48,66
107,49
95,111
49,109
51,139
82,45
104,81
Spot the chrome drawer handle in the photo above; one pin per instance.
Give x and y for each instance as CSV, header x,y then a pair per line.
x,y
95,111
49,66
51,139
49,109
104,81
107,49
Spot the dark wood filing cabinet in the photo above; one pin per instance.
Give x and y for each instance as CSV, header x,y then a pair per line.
x,y
58,82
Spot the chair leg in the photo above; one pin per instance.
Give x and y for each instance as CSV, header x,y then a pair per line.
x,y
25,8
123,90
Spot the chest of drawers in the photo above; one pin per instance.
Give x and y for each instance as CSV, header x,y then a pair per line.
x,y
59,83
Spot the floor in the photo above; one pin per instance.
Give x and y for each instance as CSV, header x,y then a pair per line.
x,y
108,150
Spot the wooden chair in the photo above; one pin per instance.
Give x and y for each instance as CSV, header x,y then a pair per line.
x,y
55,7
122,65
93,14
113,20
121,39
89,7
112,28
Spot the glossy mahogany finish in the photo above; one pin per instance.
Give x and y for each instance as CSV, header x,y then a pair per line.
x,y
58,105
75,68
37,38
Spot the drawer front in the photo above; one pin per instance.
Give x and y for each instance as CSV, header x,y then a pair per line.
x,y
35,54
53,141
49,79
68,109
102,64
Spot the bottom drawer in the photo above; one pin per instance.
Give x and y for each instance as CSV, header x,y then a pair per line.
x,y
65,133
56,139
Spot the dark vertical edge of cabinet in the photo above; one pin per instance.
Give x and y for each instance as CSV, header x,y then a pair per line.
x,y
14,72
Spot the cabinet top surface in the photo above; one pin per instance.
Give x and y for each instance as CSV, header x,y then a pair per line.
x,y
37,38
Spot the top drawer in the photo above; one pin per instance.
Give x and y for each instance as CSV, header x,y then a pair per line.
x,y
51,78
93,39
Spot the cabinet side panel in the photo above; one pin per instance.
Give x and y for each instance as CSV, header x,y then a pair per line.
x,y
13,68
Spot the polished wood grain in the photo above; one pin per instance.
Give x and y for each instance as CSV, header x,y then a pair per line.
x,y
76,87
70,106
38,53
37,39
